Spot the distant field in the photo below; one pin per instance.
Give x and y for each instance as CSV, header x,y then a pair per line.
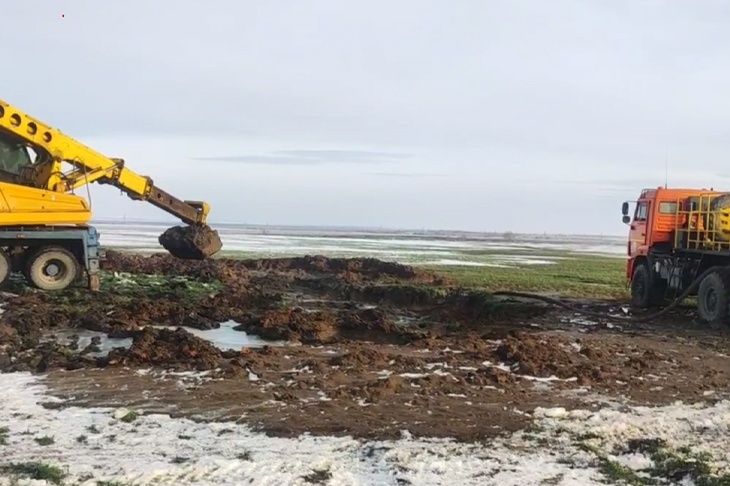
x,y
569,265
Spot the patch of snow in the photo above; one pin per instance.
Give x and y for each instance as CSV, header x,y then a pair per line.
x,y
508,369
158,449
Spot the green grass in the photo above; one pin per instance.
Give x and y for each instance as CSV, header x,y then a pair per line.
x,y
159,286
45,440
574,276
669,466
35,470
130,417
128,287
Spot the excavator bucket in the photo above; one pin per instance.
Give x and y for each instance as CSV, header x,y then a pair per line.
x,y
195,242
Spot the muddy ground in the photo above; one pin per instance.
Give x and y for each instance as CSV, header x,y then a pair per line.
x,y
370,348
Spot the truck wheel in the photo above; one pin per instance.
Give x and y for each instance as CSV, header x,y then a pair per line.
x,y
52,268
712,298
6,267
641,291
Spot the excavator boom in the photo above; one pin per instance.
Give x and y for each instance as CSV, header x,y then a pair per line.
x,y
53,148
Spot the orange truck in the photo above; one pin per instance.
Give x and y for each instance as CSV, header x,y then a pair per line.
x,y
675,236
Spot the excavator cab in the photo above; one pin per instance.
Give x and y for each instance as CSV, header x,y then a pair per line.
x,y
13,156
19,162
15,160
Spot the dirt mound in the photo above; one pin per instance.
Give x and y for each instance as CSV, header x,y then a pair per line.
x,y
28,315
171,348
286,270
320,327
195,242
350,269
376,391
294,324
398,294
167,265
589,361
540,356
7,333
367,320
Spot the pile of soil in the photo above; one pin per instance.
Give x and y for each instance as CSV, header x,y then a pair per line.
x,y
321,327
348,269
590,361
230,271
541,356
161,347
165,265
293,325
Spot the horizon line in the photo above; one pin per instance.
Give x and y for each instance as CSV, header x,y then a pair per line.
x,y
350,228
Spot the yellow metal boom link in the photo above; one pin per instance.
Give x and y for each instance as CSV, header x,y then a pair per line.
x,y
90,166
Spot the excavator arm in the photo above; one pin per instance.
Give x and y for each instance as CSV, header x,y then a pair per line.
x,y
53,148
137,187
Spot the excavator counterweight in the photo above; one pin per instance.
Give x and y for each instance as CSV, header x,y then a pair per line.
x,y
36,193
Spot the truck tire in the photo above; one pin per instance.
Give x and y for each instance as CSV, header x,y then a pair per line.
x,y
52,268
6,267
713,298
641,289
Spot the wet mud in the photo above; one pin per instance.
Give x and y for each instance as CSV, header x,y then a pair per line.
x,y
370,348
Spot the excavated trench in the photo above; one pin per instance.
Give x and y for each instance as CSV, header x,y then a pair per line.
x,y
341,346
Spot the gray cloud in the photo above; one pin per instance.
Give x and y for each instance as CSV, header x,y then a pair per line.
x,y
311,157
352,155
406,175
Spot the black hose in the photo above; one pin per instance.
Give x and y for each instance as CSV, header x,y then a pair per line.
x,y
641,318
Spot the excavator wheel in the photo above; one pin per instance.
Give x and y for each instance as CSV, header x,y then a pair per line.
x,y
196,242
6,267
52,268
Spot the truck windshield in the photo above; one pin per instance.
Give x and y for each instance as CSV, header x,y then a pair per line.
x,y
642,210
13,157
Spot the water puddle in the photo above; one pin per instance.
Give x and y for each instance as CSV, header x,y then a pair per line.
x,y
103,343
224,338
227,338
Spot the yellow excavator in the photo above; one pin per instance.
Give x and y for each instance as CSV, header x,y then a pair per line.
x,y
44,226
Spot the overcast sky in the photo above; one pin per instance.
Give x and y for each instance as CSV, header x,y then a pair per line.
x,y
479,115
